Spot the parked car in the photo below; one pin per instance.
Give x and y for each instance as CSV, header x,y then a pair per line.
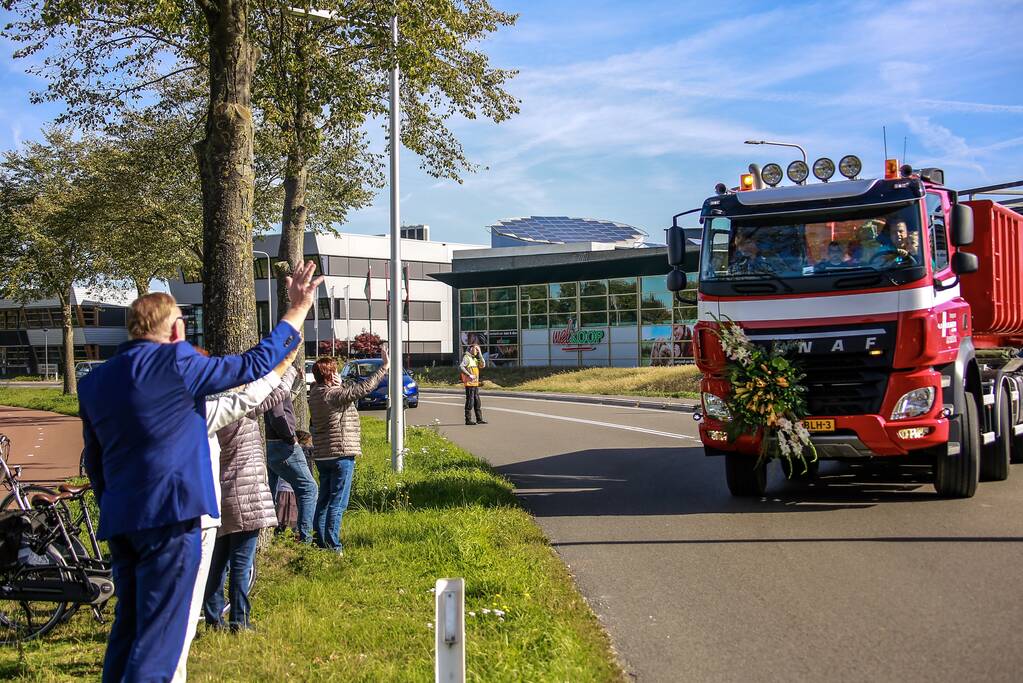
x,y
309,379
358,369
85,367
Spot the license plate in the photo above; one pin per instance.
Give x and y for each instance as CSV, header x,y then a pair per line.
x,y
817,425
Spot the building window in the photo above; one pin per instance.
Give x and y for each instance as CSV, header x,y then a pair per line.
x,y
110,316
625,285
564,290
592,287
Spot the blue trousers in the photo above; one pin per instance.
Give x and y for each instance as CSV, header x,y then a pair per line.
x,y
236,552
287,462
154,574
335,488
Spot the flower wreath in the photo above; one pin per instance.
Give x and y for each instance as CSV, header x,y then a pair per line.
x,y
767,396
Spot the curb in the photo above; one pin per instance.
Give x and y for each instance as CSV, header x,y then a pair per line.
x,y
638,402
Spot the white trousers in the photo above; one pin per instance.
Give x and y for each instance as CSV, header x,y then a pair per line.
x,y
209,538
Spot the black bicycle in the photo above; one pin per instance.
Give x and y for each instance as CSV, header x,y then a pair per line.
x,y
46,572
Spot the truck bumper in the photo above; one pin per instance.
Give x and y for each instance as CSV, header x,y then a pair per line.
x,y
855,436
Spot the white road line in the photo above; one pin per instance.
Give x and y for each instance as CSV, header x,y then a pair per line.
x,y
493,397
595,423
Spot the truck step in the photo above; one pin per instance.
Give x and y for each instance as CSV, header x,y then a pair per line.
x,y
1017,429
989,437
989,399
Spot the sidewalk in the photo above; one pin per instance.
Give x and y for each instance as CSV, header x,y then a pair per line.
x,y
684,405
48,446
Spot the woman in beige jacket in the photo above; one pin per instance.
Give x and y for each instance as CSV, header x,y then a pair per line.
x,y
337,440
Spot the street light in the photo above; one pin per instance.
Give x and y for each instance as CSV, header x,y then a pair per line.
x,y
778,144
394,381
269,288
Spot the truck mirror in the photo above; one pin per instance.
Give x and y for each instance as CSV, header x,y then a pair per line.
x,y
962,225
677,280
676,239
963,263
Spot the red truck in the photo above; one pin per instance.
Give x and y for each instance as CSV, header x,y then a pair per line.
x,y
903,306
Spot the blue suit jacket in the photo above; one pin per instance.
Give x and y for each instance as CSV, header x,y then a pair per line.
x,y
143,415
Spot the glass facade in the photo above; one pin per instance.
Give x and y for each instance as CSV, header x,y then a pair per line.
x,y
616,322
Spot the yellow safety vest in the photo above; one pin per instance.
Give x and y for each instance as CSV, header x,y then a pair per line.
x,y
472,379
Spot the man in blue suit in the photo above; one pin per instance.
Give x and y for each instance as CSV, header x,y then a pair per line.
x,y
147,456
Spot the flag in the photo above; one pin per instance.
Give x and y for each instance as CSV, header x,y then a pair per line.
x,y
404,277
367,290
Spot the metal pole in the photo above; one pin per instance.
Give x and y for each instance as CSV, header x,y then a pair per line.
x,y
333,333
778,144
46,354
316,321
395,385
348,323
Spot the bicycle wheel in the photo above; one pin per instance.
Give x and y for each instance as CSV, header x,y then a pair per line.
x,y
22,620
27,491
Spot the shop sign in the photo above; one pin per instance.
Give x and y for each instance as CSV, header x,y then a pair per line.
x,y
577,340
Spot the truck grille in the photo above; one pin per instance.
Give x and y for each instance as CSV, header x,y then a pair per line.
x,y
842,378
845,384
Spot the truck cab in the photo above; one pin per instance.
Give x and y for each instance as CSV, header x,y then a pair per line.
x,y
863,279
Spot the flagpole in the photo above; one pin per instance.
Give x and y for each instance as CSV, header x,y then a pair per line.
x,y
348,323
369,295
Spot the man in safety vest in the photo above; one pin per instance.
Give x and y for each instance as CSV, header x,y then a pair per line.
x,y
472,362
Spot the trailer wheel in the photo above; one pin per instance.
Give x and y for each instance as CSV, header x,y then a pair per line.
x,y
746,475
956,476
994,458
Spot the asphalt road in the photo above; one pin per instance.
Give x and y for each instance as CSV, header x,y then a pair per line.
x,y
862,575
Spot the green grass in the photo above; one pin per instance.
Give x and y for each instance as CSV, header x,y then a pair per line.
x,y
679,382
39,399
367,616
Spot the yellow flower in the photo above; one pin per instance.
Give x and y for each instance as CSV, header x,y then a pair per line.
x,y
782,382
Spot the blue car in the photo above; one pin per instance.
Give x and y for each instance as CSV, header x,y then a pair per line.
x,y
358,369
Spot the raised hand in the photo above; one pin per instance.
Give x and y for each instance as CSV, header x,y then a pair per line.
x,y
385,358
283,366
301,284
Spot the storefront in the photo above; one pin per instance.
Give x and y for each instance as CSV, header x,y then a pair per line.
x,y
556,307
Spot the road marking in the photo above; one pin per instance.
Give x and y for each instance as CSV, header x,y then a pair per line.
x,y
595,423
492,397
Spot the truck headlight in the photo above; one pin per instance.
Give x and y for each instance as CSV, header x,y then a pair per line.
x,y
715,407
914,403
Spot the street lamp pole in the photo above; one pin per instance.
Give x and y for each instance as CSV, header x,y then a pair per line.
x,y
269,288
394,382
777,144
46,354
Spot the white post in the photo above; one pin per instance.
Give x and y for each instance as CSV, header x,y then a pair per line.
x,y
449,627
316,321
333,333
348,324
395,386
46,354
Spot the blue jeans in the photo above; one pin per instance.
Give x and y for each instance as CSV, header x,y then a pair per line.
x,y
154,571
287,462
335,488
237,551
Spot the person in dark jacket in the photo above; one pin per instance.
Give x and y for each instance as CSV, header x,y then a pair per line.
x,y
147,455
337,440
286,460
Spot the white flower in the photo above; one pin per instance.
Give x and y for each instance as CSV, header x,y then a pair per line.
x,y
499,613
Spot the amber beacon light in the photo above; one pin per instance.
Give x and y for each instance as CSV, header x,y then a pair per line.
x,y
891,169
746,182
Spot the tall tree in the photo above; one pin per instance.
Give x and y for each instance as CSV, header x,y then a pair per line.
x,y
48,241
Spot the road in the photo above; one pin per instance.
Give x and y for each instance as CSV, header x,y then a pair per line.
x,y
862,575
47,446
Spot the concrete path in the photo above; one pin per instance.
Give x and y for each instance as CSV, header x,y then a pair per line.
x,y
48,446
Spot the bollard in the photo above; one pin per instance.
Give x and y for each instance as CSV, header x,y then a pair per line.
x,y
449,631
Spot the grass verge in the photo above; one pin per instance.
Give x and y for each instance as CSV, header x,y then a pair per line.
x,y
682,381
39,399
368,616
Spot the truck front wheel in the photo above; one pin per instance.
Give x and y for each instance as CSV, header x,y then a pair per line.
x,y
956,475
746,475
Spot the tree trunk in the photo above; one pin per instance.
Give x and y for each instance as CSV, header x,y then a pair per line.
x,y
68,328
292,251
227,177
141,286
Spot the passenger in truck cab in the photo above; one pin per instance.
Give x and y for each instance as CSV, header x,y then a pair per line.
x,y
746,256
836,258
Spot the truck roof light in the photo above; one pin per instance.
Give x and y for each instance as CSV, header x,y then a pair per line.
x,y
720,188
772,174
891,169
823,169
745,182
850,166
797,172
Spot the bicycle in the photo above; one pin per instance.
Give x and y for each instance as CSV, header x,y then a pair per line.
x,y
46,572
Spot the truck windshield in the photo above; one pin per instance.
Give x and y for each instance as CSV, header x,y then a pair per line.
x,y
809,246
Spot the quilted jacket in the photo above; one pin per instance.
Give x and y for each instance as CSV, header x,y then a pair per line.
x,y
333,418
246,501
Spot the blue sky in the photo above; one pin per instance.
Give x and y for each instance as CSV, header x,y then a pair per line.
x,y
632,111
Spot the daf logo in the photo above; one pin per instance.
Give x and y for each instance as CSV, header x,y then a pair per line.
x,y
851,341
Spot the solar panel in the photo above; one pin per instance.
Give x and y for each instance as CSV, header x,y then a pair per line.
x,y
561,229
